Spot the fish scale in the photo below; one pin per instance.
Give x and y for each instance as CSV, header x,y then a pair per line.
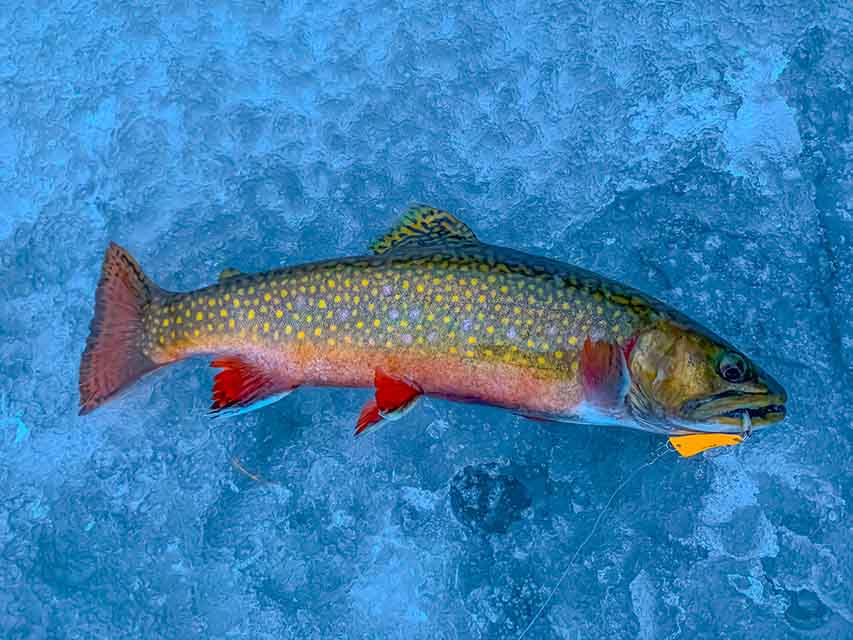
x,y
462,306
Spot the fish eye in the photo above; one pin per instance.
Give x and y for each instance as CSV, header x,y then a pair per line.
x,y
733,367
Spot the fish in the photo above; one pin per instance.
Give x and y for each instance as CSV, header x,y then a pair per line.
x,y
433,312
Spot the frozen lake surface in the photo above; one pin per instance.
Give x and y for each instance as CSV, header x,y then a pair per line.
x,y
697,150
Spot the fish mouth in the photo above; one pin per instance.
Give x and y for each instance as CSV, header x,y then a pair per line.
x,y
727,408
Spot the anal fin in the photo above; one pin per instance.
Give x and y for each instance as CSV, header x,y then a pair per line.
x,y
244,385
394,397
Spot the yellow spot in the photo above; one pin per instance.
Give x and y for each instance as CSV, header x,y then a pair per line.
x,y
359,325
223,313
179,320
364,282
405,284
516,310
404,323
454,298
266,327
322,304
540,360
251,314
472,340
199,316
209,327
558,355
389,344
331,284
288,330
490,329
439,298
283,293
187,314
377,322
356,299
251,291
575,365
301,335
318,332
236,303
162,340
331,342
309,318
227,297
573,340
481,299
337,298
166,322
196,333
530,343
420,288
211,302
231,323
470,354
453,349
334,327
279,313
267,297
446,319
312,289
430,317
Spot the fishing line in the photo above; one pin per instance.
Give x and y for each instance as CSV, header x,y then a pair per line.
x,y
657,456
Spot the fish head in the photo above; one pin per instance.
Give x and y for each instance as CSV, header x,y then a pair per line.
x,y
686,380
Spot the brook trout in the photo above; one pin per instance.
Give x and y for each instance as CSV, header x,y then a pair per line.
x,y
435,312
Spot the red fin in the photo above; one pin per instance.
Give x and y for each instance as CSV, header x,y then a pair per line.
x,y
113,359
369,417
603,373
244,386
394,396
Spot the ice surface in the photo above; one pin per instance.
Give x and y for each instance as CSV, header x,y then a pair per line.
x,y
698,150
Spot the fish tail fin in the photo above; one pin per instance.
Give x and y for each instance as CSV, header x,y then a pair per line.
x,y
114,357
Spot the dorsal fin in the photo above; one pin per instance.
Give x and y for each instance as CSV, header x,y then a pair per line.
x,y
423,226
229,272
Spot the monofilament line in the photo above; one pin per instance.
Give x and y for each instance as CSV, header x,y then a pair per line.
x,y
589,537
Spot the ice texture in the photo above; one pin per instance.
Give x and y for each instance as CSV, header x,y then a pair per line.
x,y
699,150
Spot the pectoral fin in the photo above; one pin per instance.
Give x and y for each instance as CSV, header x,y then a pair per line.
x,y
604,374
394,397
